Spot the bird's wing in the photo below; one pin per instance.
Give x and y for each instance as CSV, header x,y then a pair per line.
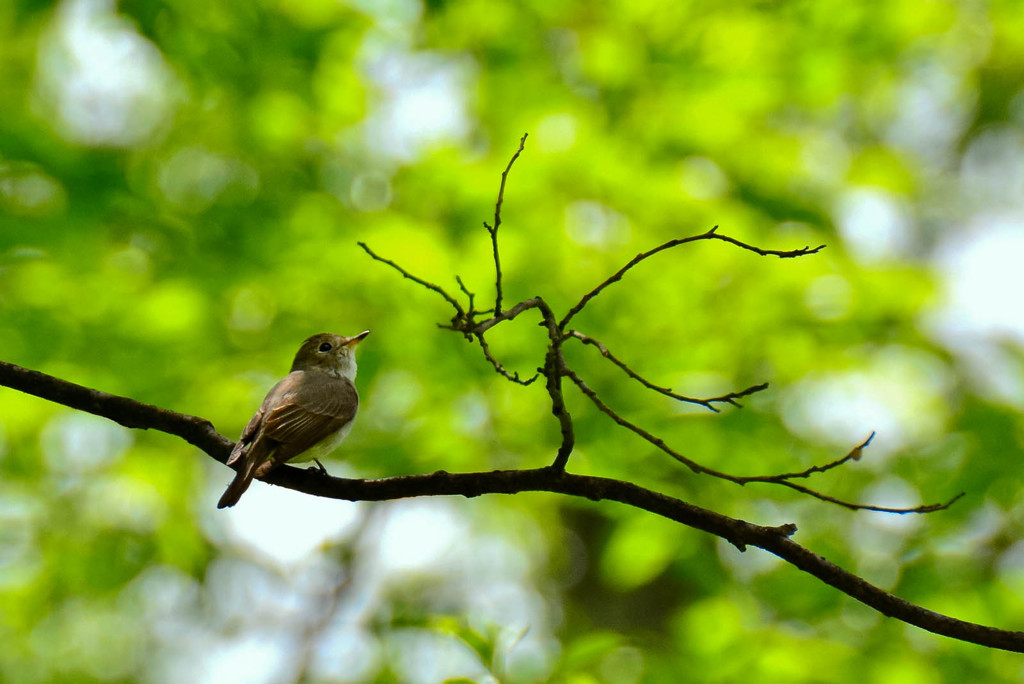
x,y
305,413
249,435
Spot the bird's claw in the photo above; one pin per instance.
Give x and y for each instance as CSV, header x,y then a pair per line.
x,y
319,467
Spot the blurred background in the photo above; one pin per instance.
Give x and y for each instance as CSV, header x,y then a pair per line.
x,y
182,185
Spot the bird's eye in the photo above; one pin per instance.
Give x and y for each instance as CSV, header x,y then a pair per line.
x,y
325,347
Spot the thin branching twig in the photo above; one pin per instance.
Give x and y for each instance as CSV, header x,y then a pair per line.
x,y
709,235
729,398
459,311
493,230
783,479
511,376
555,367
854,455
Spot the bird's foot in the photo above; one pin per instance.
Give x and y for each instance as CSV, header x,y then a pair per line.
x,y
319,467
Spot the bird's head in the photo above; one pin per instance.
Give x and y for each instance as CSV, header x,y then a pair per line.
x,y
329,353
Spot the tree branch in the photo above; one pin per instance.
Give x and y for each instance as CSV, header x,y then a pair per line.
x,y
554,370
196,431
555,367
739,533
709,235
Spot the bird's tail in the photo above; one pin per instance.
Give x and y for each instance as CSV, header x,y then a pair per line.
x,y
243,478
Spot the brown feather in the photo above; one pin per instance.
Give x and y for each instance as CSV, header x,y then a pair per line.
x,y
249,434
243,478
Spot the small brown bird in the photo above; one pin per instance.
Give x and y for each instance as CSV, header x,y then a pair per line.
x,y
309,412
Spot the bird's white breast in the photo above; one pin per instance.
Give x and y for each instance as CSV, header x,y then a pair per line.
x,y
326,445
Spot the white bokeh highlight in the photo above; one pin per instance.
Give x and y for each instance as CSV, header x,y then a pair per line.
x,y
875,225
898,392
981,317
104,83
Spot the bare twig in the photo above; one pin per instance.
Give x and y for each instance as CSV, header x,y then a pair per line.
x,y
493,230
854,455
709,235
783,480
471,312
507,315
459,311
469,295
511,376
555,367
925,508
656,441
729,398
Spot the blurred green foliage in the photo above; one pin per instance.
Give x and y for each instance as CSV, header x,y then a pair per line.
x,y
182,185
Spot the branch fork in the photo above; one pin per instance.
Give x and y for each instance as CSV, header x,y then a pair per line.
x,y
466,321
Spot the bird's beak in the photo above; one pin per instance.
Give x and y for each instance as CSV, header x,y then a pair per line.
x,y
356,339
